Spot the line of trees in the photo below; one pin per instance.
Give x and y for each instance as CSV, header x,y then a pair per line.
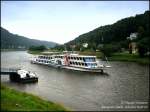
x,y
37,48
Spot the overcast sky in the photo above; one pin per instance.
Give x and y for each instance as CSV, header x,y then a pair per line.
x,y
62,21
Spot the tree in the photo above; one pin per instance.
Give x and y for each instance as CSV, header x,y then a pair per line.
x,y
109,49
143,46
37,48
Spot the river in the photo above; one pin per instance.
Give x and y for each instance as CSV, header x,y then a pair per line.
x,y
125,87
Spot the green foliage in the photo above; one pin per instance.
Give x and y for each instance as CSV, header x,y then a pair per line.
x,y
116,33
129,57
143,46
12,100
58,47
37,48
109,49
12,41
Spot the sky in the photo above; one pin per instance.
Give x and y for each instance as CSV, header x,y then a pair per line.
x,y
62,21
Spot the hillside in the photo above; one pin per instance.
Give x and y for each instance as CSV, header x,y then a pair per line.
x,y
13,41
116,33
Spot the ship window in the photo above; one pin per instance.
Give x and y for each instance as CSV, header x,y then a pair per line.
x,y
71,57
73,63
93,59
68,57
84,59
80,58
79,63
74,58
88,64
70,62
77,58
76,63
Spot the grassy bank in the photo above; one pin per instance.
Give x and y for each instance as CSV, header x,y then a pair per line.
x,y
34,52
97,54
129,58
12,100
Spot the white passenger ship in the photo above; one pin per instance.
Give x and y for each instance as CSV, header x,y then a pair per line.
x,y
70,61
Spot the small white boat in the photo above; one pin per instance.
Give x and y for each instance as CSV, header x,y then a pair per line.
x,y
23,76
70,61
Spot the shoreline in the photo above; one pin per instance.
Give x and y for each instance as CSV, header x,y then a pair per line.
x,y
122,57
14,100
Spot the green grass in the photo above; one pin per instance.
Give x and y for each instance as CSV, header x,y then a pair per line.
x,y
34,52
97,54
129,58
12,100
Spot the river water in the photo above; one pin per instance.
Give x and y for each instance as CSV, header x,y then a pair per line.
x,y
124,87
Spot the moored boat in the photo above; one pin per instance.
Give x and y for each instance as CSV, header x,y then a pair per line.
x,y
70,61
23,76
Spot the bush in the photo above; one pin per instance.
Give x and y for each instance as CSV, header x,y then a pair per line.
x,y
143,46
109,49
37,48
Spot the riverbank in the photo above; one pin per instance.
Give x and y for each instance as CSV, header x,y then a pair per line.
x,y
129,58
12,100
124,56
34,52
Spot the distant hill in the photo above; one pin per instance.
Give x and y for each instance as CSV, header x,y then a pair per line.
x,y
114,33
13,41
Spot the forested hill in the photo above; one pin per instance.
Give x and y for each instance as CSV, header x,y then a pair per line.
x,y
114,33
13,41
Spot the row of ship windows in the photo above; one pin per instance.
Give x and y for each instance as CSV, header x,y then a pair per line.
x,y
74,58
83,64
71,63
43,61
43,57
